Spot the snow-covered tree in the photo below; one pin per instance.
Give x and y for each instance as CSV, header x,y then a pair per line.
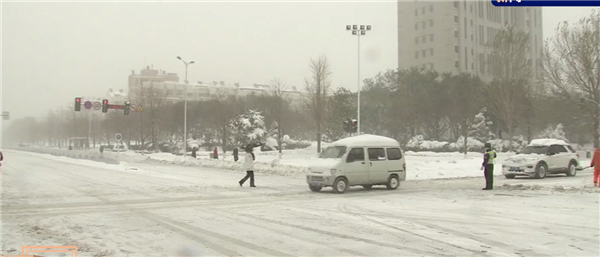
x,y
555,133
480,129
248,128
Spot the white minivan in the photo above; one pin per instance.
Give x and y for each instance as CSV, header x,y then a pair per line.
x,y
364,160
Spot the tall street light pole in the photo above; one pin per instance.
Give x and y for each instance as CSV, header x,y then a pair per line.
x,y
185,106
358,31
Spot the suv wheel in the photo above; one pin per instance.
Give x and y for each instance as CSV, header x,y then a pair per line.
x,y
509,176
572,169
541,170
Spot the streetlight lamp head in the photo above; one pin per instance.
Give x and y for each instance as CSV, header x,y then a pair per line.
x,y
179,57
362,27
362,32
354,32
368,27
354,26
191,62
348,27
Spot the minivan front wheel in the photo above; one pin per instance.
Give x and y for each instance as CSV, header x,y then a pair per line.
x,y
393,182
315,188
340,185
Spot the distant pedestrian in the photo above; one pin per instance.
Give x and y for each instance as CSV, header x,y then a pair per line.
x,y
1,158
235,154
194,149
216,153
596,164
488,166
249,166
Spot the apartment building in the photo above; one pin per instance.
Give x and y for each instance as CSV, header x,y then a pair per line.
x,y
167,85
451,36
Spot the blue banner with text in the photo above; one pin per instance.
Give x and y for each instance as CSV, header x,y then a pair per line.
x,y
516,3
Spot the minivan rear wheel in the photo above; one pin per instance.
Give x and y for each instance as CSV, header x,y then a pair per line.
x,y
393,182
340,185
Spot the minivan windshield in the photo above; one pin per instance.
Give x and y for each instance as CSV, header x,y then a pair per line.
x,y
535,150
333,152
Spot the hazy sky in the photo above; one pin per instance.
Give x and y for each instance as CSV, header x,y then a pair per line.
x,y
52,52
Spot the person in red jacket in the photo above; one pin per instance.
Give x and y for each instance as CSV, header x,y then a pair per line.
x,y
596,164
216,153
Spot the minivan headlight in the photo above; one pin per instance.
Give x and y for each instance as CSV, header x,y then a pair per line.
x,y
333,171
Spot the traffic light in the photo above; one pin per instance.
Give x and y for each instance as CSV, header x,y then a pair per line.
x,y
77,104
104,105
126,108
347,126
354,125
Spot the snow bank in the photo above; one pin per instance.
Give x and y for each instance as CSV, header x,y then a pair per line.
x,y
417,144
420,165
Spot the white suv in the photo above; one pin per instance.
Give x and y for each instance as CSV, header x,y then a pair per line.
x,y
542,157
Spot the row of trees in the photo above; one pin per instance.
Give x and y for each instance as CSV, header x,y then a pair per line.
x,y
398,103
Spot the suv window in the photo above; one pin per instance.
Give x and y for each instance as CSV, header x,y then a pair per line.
x,y
356,154
394,154
376,154
555,149
571,148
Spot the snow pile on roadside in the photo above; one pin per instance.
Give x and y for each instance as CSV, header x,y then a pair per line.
x,y
555,188
259,167
116,167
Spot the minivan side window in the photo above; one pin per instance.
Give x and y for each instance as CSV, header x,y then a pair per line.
x,y
356,154
376,154
394,154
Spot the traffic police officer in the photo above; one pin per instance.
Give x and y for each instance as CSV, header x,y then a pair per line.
x,y
488,166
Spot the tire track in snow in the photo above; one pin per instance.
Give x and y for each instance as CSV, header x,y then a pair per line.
x,y
168,224
224,214
109,206
344,210
491,242
347,237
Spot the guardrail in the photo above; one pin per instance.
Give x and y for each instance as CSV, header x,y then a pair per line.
x,y
75,154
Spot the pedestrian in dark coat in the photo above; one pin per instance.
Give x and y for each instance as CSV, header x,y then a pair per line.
x,y
235,154
488,166
249,166
216,153
194,149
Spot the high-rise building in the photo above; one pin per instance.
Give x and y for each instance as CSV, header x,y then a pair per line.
x,y
451,36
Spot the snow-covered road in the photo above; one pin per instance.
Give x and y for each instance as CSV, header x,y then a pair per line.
x,y
166,210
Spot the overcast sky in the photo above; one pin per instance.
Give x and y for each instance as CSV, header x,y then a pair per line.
x,y
52,52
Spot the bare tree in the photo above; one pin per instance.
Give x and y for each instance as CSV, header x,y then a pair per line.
x,y
572,66
317,88
511,70
277,89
